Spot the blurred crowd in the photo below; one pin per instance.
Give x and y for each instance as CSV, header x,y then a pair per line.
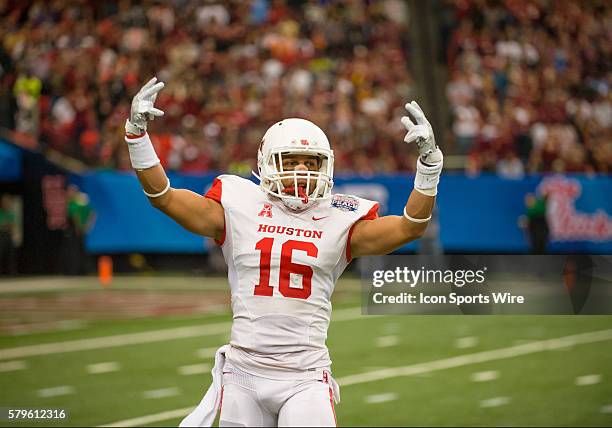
x,y
231,70
528,91
529,85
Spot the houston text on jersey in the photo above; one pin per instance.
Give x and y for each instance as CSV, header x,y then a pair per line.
x,y
283,230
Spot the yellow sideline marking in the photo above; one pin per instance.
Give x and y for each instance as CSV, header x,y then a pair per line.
x,y
415,369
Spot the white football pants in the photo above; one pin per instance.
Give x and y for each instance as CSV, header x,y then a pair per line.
x,y
249,401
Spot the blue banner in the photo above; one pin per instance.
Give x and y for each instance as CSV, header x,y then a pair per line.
x,y
126,221
10,162
475,214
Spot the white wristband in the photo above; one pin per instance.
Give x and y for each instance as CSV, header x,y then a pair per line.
x,y
142,153
427,178
157,195
416,220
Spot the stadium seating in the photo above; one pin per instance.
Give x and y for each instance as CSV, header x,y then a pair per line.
x,y
231,70
529,86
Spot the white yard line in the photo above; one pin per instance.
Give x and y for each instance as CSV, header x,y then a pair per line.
x,y
466,342
11,366
113,341
381,398
141,337
479,357
494,402
591,379
194,369
415,369
485,376
387,341
161,393
55,391
149,419
206,352
106,367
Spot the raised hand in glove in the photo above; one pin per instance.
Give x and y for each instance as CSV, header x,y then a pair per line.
x,y
142,109
429,164
422,134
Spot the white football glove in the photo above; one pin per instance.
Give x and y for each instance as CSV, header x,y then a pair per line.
x,y
142,153
142,108
429,164
422,134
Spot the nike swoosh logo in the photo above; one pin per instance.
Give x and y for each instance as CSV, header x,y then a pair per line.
x,y
319,218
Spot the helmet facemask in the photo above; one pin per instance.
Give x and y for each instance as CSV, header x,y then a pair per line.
x,y
294,193
295,137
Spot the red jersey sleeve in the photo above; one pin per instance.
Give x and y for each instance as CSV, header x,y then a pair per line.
x,y
214,193
371,215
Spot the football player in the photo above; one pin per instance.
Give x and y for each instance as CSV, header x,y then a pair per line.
x,y
286,242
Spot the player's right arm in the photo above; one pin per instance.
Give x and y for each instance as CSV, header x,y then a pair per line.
x,y
194,212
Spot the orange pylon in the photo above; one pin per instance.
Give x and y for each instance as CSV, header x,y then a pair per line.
x,y
105,270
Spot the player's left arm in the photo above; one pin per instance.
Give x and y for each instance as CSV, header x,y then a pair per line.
x,y
385,234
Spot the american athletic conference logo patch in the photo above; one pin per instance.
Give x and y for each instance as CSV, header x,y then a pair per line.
x,y
266,211
345,203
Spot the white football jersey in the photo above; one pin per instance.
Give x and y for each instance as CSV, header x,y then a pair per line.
x,y
282,269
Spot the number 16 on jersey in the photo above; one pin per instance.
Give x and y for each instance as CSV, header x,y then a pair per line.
x,y
287,267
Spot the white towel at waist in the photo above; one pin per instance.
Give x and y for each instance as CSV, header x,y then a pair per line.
x,y
205,413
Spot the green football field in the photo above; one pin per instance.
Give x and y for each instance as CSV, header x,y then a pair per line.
x,y
139,353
